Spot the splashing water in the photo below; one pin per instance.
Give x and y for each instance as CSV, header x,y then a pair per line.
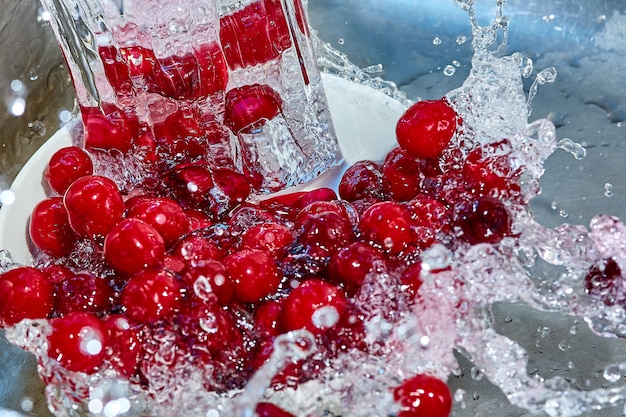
x,y
458,291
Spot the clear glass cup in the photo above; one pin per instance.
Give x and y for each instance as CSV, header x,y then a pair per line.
x,y
230,83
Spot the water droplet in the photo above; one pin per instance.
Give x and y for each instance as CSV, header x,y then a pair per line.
x,y
475,396
563,345
508,319
459,395
7,197
543,331
612,373
460,40
477,374
456,63
325,317
341,41
437,41
564,214
449,70
608,189
43,16
27,404
424,342
573,330
576,149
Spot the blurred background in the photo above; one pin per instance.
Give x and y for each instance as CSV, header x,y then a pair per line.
x,y
425,48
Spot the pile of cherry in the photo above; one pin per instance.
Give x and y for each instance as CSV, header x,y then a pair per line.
x,y
190,255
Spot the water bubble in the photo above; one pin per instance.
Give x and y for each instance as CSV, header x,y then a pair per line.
x,y
576,149
459,395
508,319
437,41
341,41
573,330
564,214
476,396
456,63
477,374
612,373
460,40
563,345
43,16
608,189
27,404
325,317
543,331
424,342
548,18
7,197
449,70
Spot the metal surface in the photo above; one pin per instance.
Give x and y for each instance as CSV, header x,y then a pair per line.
x,y
414,40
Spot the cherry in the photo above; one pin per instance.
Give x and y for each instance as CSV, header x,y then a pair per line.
x,y
164,214
274,238
426,128
180,137
176,76
209,280
25,293
249,106
265,409
267,319
151,295
429,217
387,225
254,34
116,70
482,220
235,186
49,228
314,305
411,279
318,207
84,292
193,184
57,273
141,65
66,166
490,170
361,180
94,205
324,234
126,342
194,248
401,175
109,128
213,73
78,342
133,245
350,265
197,219
605,281
254,273
423,396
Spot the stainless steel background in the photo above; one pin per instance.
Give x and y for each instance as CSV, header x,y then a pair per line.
x,y
587,107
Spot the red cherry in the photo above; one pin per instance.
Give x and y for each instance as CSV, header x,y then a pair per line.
x,y
141,66
249,106
116,70
176,76
605,281
411,279
209,280
197,219
109,128
490,170
314,305
426,128
180,137
255,34
429,217
254,273
66,166
352,264
401,175
267,319
212,69
25,293
151,295
57,273
94,205
235,186
388,226
423,396
361,180
264,409
324,234
84,292
133,245
482,220
271,237
193,183
164,214
318,207
195,248
49,228
126,342
78,342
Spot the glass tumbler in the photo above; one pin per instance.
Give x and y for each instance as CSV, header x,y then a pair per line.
x,y
221,82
